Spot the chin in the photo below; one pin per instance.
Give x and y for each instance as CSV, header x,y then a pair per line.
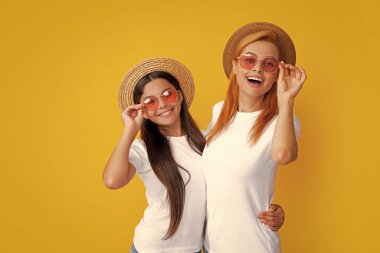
x,y
166,121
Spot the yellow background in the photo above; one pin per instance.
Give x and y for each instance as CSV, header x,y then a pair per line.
x,y
61,66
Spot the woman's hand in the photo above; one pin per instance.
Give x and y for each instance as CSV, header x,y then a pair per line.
x,y
290,81
274,218
132,117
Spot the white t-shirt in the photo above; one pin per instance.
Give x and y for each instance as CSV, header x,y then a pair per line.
x,y
155,223
240,183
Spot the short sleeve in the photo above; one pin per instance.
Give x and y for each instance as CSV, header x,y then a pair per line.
x,y
138,156
216,109
297,126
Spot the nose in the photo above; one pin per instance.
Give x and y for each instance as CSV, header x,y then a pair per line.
x,y
161,103
258,67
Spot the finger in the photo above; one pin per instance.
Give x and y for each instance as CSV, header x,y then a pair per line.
x,y
269,223
273,211
273,207
297,73
286,70
276,222
281,73
137,106
304,76
268,218
275,225
133,113
289,68
139,113
132,107
273,228
278,211
125,111
266,214
293,71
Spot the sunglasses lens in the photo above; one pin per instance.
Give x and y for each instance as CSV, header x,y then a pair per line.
x,y
151,103
270,65
169,96
247,61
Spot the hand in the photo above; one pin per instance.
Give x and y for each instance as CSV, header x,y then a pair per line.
x,y
274,218
132,117
290,81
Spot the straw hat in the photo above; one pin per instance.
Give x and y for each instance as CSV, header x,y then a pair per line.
x,y
289,51
171,66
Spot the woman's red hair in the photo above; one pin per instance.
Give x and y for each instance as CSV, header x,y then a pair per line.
x,y
231,102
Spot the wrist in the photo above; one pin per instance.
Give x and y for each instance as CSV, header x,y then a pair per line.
x,y
285,104
129,133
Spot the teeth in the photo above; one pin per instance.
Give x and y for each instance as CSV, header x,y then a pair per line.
x,y
165,113
255,79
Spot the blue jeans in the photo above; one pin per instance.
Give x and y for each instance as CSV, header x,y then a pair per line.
x,y
133,250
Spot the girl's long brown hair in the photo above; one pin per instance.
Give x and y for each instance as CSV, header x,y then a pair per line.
x,y
160,154
231,102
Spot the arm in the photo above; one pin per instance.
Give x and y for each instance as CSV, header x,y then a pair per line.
x,y
284,144
274,218
118,171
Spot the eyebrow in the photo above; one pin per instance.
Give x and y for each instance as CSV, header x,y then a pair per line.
x,y
250,53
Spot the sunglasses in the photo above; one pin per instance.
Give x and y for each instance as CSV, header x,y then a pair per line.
x,y
248,61
168,96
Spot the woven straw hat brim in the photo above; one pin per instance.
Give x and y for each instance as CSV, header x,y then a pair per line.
x,y
171,66
289,51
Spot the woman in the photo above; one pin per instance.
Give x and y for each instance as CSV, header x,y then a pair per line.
x,y
253,131
155,96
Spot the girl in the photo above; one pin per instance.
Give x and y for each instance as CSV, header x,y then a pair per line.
x,y
253,131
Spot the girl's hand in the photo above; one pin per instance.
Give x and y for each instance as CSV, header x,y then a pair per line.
x,y
290,81
132,117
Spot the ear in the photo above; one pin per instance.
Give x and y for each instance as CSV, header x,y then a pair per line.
x,y
180,97
234,67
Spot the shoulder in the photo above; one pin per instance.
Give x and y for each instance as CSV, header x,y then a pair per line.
x,y
138,156
138,149
217,108
139,143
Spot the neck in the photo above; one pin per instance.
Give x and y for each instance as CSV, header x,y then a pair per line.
x,y
174,130
249,104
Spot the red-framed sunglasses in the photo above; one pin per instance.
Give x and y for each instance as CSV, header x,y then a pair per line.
x,y
168,96
248,61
